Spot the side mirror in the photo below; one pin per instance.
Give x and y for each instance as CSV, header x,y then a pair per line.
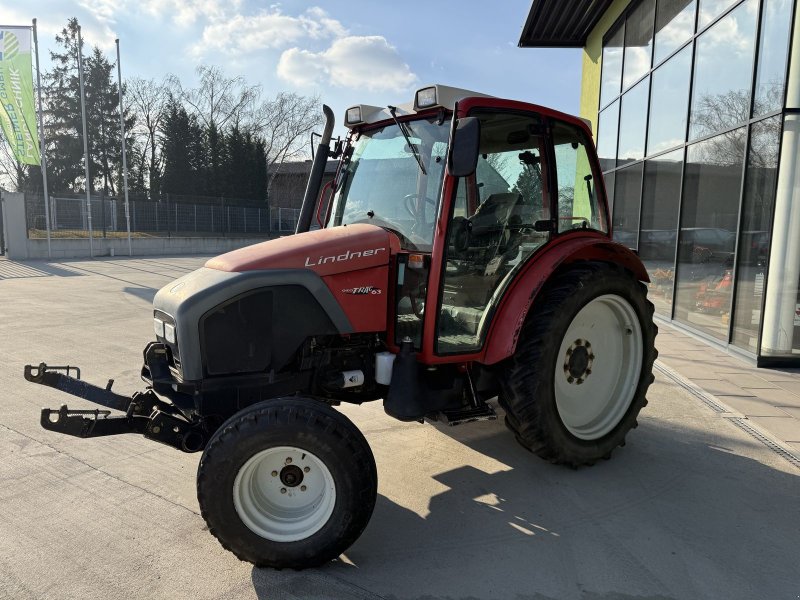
x,y
463,156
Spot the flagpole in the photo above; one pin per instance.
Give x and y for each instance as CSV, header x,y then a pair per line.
x,y
42,152
85,144
124,159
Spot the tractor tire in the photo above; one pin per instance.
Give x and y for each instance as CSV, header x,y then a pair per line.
x,y
582,366
287,483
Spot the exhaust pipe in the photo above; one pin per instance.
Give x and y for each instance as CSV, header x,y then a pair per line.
x,y
317,173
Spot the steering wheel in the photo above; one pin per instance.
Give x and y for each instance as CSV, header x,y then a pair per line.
x,y
409,206
420,222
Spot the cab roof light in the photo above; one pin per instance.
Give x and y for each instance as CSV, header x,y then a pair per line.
x,y
425,98
353,116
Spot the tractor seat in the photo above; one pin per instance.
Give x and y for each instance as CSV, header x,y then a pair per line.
x,y
492,215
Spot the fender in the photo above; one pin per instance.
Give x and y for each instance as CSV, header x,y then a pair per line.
x,y
501,340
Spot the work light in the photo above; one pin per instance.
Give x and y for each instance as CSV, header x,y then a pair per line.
x,y
425,98
353,115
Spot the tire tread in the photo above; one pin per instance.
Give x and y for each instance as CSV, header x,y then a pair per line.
x,y
528,413
287,412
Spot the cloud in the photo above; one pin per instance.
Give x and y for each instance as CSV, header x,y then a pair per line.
x,y
186,12
96,24
269,29
301,67
364,62
102,10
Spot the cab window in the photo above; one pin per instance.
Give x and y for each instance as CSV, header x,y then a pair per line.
x,y
578,203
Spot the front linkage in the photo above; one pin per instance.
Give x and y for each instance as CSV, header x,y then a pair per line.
x,y
145,412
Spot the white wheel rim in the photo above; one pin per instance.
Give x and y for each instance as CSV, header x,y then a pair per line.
x,y
284,494
598,367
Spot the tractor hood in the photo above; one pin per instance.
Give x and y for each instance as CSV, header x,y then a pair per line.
x,y
324,251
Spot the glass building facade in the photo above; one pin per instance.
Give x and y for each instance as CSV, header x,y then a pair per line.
x,y
698,133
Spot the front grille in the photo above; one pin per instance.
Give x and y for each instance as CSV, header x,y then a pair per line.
x,y
236,336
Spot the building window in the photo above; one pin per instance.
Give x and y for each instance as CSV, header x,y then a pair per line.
x,y
674,26
659,226
633,124
612,66
638,42
668,107
776,25
707,237
723,72
608,126
754,235
711,9
610,180
692,186
627,191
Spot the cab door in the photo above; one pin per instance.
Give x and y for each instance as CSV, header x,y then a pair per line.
x,y
536,178
500,216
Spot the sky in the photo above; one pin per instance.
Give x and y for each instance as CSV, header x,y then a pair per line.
x,y
353,52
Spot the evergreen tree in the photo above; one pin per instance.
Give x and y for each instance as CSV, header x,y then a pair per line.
x,y
260,183
183,151
529,182
246,166
237,165
216,160
62,112
102,122
63,119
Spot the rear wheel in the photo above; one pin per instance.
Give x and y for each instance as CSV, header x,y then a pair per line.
x,y
582,367
288,482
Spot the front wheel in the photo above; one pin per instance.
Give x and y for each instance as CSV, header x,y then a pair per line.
x,y
583,364
288,482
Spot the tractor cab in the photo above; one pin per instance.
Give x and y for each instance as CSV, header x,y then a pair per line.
x,y
473,187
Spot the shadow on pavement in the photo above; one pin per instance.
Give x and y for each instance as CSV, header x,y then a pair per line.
x,y
143,293
674,514
17,270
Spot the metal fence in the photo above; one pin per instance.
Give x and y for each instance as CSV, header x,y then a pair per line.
x,y
181,216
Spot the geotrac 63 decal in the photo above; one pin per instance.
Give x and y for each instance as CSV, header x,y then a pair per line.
x,y
364,290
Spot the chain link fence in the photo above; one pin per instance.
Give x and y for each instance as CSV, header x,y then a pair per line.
x,y
186,216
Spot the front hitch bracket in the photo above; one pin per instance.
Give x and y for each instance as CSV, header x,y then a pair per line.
x,y
145,412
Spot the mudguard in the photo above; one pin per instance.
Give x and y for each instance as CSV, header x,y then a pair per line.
x,y
501,340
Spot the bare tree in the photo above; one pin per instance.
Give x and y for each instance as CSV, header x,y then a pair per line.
x,y
285,124
12,173
219,101
148,100
223,104
717,112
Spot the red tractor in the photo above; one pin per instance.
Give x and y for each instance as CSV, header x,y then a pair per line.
x,y
464,255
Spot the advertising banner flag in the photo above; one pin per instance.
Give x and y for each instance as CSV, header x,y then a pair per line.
x,y
17,112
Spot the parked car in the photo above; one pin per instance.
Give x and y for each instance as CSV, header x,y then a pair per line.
x,y
657,244
706,244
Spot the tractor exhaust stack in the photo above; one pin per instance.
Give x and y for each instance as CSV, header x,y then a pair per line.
x,y
317,172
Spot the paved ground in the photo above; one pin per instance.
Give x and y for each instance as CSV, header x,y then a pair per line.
x,y
766,398
693,507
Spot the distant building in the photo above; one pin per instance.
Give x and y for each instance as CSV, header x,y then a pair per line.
x,y
696,109
289,185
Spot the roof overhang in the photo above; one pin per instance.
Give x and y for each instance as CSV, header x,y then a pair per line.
x,y
561,23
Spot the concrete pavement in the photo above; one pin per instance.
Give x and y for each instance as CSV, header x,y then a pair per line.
x,y
768,399
692,507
